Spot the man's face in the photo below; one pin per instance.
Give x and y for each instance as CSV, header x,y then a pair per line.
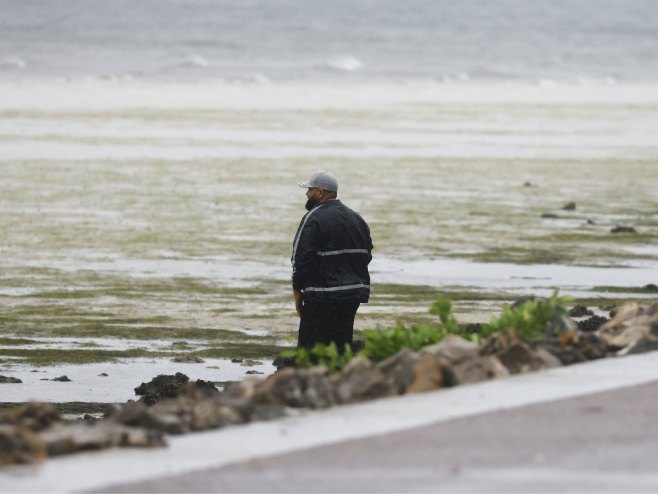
x,y
313,194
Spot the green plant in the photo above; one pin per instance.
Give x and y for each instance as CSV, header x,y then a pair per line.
x,y
381,343
531,318
321,354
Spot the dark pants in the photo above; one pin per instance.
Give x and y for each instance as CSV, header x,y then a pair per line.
x,y
326,322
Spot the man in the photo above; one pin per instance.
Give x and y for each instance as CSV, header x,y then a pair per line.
x,y
330,256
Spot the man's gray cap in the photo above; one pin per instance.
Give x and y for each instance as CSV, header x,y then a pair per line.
x,y
321,180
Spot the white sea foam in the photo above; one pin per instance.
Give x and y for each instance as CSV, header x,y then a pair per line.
x,y
345,64
12,63
196,61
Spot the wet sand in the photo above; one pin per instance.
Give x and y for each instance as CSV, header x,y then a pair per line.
x,y
161,209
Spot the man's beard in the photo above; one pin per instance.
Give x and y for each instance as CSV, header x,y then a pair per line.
x,y
311,203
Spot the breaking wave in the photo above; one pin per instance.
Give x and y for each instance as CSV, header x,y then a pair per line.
x,y
13,63
345,64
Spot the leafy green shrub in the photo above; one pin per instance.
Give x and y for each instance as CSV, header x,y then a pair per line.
x,y
381,343
531,318
321,354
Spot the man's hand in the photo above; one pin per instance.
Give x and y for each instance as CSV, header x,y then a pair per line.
x,y
298,302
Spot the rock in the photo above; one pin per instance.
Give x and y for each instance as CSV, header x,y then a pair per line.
x,y
547,357
399,368
583,342
479,369
254,372
592,324
549,216
452,349
211,414
138,414
20,445
188,359
516,354
198,390
559,325
34,430
430,374
242,390
360,380
623,229
250,363
236,360
642,345
500,342
34,416
64,379
627,317
282,362
570,206
580,311
100,435
520,358
161,386
631,336
303,388
103,374
621,314
572,347
9,380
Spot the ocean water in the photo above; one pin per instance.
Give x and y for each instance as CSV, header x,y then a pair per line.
x,y
573,41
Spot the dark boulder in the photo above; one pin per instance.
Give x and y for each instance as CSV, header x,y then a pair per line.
x,y
623,229
161,386
592,323
516,354
9,380
282,362
580,311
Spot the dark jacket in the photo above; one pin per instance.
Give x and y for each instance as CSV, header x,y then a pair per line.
x,y
331,253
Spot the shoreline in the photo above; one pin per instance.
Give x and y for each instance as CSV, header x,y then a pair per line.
x,y
98,94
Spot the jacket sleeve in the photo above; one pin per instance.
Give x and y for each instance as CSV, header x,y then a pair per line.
x,y
369,239
304,257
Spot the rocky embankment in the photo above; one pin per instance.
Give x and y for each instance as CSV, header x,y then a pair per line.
x,y
174,405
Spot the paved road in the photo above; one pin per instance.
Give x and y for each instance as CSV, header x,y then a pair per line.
x,y
604,442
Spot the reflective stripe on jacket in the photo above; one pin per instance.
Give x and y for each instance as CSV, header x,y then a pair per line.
x,y
330,254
